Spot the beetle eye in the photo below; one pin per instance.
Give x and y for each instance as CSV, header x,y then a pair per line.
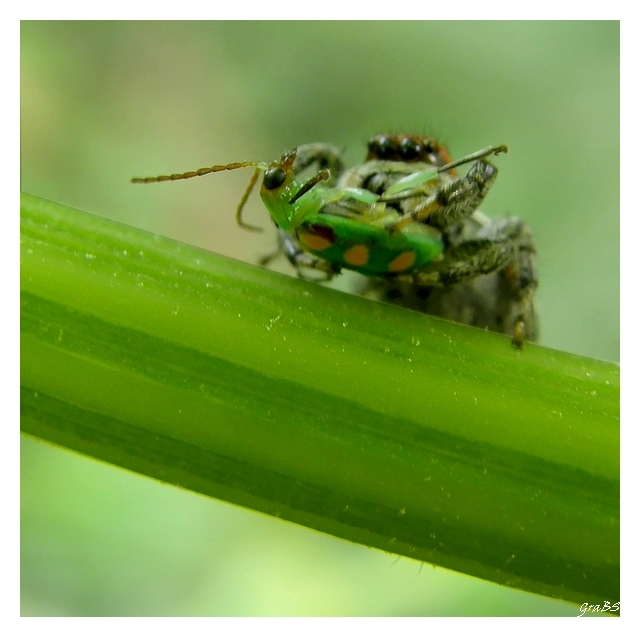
x,y
409,149
273,178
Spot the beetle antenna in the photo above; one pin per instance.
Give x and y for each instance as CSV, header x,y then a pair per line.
x,y
243,201
198,173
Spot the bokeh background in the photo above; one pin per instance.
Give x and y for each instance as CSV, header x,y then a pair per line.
x,y
104,101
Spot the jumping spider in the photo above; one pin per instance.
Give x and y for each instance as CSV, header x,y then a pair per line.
x,y
486,275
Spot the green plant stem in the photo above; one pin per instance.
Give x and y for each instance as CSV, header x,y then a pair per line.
x,y
375,424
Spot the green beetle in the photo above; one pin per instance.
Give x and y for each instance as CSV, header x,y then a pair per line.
x,y
345,227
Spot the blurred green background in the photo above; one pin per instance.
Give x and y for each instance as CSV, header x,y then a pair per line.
x,y
104,101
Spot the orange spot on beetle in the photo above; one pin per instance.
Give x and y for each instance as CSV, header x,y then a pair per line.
x,y
357,255
402,262
316,237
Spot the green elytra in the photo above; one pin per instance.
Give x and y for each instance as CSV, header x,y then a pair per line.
x,y
346,227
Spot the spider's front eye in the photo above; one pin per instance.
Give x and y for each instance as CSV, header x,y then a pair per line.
x,y
409,149
273,178
382,147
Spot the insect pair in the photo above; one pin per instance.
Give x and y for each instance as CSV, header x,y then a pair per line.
x,y
406,220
